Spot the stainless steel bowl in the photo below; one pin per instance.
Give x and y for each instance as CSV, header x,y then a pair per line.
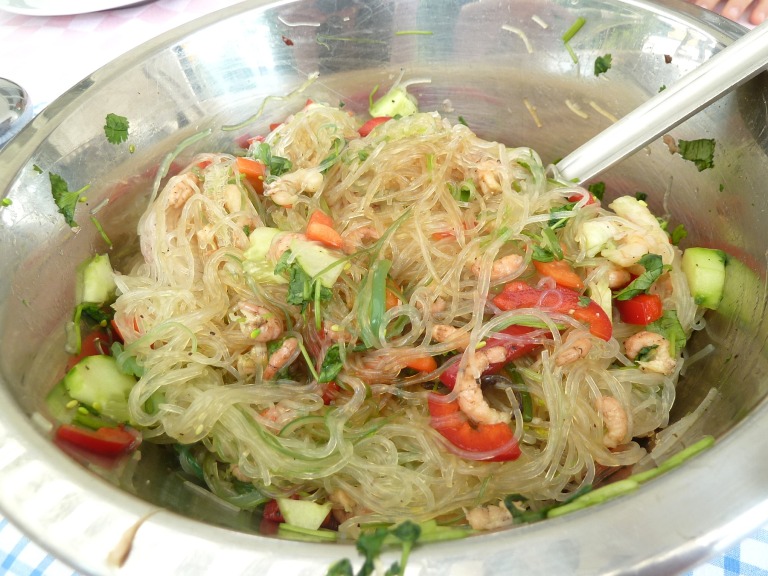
x,y
218,71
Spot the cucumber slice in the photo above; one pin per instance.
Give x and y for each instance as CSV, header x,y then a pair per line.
x,y
97,382
705,270
95,280
314,259
303,513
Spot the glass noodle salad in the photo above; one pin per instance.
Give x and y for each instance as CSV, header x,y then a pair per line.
x,y
353,325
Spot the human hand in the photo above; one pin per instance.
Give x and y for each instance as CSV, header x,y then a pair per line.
x,y
734,9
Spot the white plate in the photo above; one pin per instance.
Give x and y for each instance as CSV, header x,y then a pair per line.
x,y
63,7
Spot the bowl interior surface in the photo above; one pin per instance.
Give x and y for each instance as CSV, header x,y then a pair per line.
x,y
227,68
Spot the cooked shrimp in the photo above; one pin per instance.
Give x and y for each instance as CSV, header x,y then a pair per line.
x,y
618,277
625,240
471,400
281,357
574,351
354,239
279,414
286,189
445,333
614,419
488,174
489,517
502,267
282,242
653,351
259,323
181,188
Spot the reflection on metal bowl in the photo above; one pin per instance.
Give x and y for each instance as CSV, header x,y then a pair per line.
x,y
218,71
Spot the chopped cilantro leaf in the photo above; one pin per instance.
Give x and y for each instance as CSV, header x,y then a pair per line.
x,y
642,196
333,157
602,64
556,223
669,327
678,234
662,87
542,254
277,165
653,269
95,312
332,364
341,568
363,155
37,168
584,301
597,190
701,152
116,128
369,545
462,121
65,200
645,353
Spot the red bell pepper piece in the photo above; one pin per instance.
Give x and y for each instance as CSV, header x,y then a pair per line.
x,y
490,442
641,310
448,377
563,300
104,441
368,127
92,344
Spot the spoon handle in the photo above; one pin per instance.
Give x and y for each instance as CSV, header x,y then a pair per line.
x,y
730,67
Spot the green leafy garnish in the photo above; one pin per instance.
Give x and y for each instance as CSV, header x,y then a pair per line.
x,y
662,87
701,152
65,200
277,165
332,364
116,128
37,168
341,568
597,190
584,301
678,234
654,267
462,121
641,196
369,545
602,64
333,157
646,353
556,223
669,327
95,312
301,289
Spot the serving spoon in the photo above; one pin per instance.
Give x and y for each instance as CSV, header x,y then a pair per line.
x,y
726,70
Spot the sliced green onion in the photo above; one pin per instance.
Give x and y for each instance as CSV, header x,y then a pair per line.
x,y
674,461
378,304
575,27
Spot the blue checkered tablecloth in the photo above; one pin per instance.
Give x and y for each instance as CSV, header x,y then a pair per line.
x,y
21,557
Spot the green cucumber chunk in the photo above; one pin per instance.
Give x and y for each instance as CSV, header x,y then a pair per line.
x,y
705,270
303,513
317,261
95,280
97,382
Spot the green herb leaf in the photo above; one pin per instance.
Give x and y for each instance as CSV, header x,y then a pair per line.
x,y
96,313
542,254
669,327
701,152
602,64
662,87
653,269
37,168
584,301
65,200
276,165
341,568
646,353
678,234
332,364
462,121
642,196
333,157
556,223
369,544
116,128
597,190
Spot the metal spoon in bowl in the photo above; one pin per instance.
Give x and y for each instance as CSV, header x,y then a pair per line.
x,y
726,70
14,109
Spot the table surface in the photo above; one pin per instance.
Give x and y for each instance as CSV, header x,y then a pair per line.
x,y
84,43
